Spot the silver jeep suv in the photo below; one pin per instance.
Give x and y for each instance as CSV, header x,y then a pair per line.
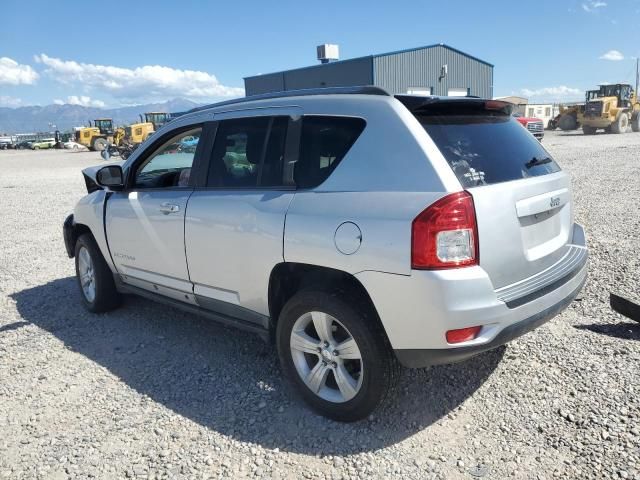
x,y
355,229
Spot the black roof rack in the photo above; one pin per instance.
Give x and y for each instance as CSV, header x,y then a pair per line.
x,y
360,90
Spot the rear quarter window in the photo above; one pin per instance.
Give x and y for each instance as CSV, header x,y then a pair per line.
x,y
323,144
484,148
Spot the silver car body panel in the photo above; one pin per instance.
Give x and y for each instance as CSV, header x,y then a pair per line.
x,y
426,304
233,241
89,212
524,226
146,243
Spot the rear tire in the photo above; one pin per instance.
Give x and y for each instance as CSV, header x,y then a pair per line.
x,y
567,122
621,124
635,122
372,371
95,280
587,130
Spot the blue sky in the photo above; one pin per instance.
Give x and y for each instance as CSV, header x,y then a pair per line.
x,y
98,54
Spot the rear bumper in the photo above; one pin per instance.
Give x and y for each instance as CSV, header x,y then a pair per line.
x,y
417,310
416,358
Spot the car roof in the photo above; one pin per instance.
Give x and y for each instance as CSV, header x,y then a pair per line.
x,y
358,90
412,102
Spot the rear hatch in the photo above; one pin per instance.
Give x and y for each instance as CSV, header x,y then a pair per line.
x,y
521,196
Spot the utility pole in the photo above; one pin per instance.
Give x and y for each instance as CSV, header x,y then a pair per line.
x,y
637,75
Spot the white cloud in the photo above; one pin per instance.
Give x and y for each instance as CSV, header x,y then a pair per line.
x,y
11,102
613,55
13,73
140,83
593,5
82,100
552,94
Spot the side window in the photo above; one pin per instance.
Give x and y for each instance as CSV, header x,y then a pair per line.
x,y
170,165
324,143
244,157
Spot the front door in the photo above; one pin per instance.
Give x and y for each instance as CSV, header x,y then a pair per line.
x,y
145,223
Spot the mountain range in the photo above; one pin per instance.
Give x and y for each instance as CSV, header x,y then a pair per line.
x,y
65,117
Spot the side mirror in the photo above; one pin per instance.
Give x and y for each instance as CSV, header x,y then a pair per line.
x,y
111,177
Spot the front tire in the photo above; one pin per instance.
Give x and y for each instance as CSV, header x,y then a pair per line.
x,y
99,144
635,122
587,130
95,280
621,124
337,357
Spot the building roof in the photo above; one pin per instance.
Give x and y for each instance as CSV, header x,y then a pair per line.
x,y
375,55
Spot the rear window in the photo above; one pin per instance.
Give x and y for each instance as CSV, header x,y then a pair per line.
x,y
487,148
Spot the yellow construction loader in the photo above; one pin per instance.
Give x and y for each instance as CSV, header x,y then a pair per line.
x,y
613,108
97,136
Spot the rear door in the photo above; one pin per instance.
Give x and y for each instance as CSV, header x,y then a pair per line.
x,y
235,223
521,196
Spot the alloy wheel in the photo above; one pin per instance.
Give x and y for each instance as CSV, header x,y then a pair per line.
x,y
326,357
86,274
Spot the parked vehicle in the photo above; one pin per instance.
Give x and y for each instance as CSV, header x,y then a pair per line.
x,y
6,142
97,136
44,143
613,108
534,125
71,145
419,231
23,145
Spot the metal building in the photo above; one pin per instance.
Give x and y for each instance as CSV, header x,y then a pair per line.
x,y
431,70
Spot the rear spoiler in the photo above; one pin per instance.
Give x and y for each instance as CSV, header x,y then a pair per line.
x,y
454,105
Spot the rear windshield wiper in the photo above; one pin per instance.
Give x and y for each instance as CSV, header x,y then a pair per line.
x,y
537,161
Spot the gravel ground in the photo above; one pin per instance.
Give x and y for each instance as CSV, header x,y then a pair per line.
x,y
150,392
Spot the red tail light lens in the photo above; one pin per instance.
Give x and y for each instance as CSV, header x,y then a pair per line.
x,y
463,334
445,235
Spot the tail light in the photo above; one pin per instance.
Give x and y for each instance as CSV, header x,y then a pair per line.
x,y
463,334
445,235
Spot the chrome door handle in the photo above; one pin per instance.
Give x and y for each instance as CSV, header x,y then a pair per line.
x,y
168,208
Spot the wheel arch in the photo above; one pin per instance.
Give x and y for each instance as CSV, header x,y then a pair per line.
x,y
288,278
72,232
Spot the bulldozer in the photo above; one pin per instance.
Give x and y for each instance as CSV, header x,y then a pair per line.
x,y
612,108
97,136
570,115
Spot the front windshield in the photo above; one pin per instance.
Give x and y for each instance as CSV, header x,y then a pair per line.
x,y
103,124
156,117
609,91
591,94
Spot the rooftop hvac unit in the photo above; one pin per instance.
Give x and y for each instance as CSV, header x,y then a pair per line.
x,y
328,52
